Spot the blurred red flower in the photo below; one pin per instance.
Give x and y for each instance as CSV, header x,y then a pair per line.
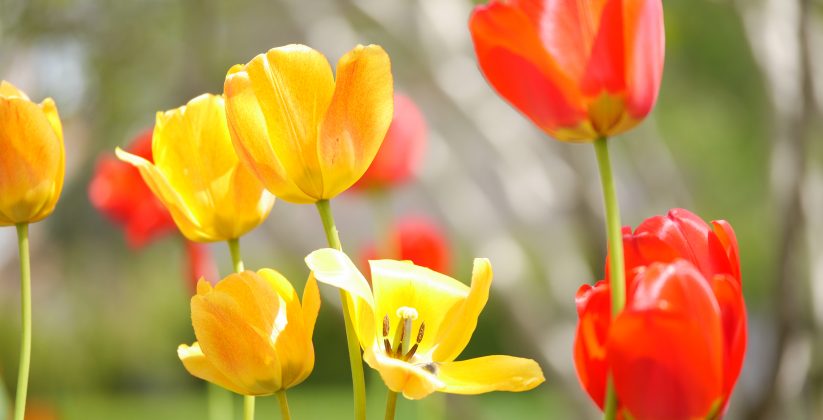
x,y
118,191
682,335
200,265
418,240
578,69
401,151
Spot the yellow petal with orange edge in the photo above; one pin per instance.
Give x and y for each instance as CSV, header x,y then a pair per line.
x,y
290,337
357,119
32,160
251,137
462,319
490,373
233,323
293,86
225,198
398,284
334,268
199,366
413,381
183,217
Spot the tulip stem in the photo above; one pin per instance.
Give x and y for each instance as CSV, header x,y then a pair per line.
x,y
617,281
236,260
355,359
391,405
25,334
285,413
248,407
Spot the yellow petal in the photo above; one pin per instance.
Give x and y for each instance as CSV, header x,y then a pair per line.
x,y
8,91
311,304
400,284
334,268
251,139
233,324
293,86
184,218
32,160
490,373
291,339
462,319
224,197
199,366
413,381
357,119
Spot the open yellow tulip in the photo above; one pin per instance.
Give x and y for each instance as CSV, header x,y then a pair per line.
x,y
415,322
305,135
32,157
254,337
198,176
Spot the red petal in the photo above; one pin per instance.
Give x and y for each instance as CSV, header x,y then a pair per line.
x,y
645,46
516,63
605,68
733,314
667,343
725,234
594,311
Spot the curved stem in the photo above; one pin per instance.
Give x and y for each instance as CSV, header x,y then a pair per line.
x,y
248,407
391,405
355,360
236,260
25,334
617,281
285,413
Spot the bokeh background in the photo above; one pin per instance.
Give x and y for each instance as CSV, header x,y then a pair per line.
x,y
736,135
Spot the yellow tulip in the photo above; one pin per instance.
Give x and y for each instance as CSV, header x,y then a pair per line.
x,y
32,157
253,334
414,323
305,135
197,175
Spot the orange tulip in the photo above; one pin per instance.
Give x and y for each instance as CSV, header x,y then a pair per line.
x,y
254,336
580,70
32,157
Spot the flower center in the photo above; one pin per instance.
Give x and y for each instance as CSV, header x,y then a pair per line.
x,y
401,347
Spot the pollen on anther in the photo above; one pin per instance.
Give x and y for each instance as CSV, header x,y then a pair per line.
x,y
405,312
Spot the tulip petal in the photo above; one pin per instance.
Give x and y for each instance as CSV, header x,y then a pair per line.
x,y
184,218
311,303
668,343
289,335
414,381
605,69
293,86
434,296
250,137
8,91
334,268
461,321
511,55
728,239
357,118
490,373
733,315
594,311
645,46
199,366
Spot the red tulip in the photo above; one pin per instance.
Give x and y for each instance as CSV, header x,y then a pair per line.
x,y
418,240
401,151
579,70
118,191
200,265
664,343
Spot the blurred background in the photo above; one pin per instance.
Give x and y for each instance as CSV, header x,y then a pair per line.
x,y
736,135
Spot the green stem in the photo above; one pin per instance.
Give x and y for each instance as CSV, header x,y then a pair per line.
x,y
355,360
248,407
25,334
617,281
236,260
391,405
285,413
